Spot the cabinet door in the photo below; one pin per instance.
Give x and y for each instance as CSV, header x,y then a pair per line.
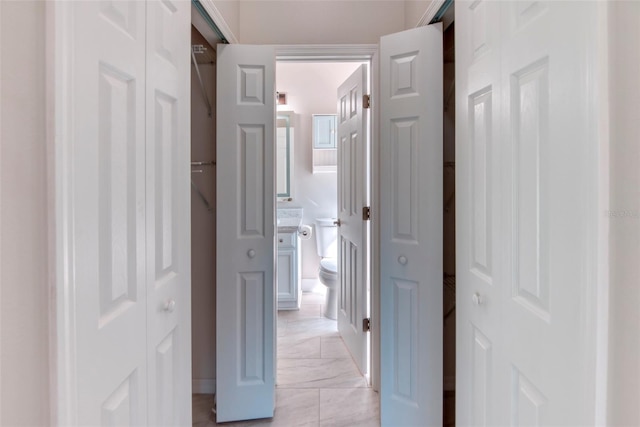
x,y
324,131
287,287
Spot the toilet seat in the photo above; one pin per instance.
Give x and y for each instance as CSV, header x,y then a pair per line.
x,y
328,272
329,265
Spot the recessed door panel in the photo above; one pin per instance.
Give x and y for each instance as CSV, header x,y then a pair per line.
x,y
121,408
252,328
404,175
117,176
406,354
250,175
529,121
480,133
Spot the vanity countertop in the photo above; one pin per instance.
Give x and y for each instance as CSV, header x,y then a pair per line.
x,y
289,219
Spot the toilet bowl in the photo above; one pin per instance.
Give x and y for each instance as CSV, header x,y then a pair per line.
x,y
326,242
328,275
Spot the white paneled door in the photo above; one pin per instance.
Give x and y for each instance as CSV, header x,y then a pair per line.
x,y
245,283
527,225
411,227
168,124
352,229
122,218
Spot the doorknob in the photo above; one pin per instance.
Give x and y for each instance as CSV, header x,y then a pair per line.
x,y
337,222
170,305
251,253
477,298
403,260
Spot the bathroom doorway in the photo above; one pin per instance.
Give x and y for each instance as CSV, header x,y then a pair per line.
x,y
311,349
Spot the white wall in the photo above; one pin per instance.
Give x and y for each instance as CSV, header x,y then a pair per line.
x,y
624,332
203,235
24,310
413,11
311,89
319,21
230,11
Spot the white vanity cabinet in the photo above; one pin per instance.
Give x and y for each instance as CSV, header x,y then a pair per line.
x,y
289,283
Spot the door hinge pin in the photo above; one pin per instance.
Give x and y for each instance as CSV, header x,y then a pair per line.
x,y
366,213
366,101
366,325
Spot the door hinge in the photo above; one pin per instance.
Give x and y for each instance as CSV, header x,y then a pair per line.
x,y
366,213
366,325
366,101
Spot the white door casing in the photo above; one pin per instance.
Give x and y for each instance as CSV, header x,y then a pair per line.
x,y
411,227
527,226
168,122
101,203
352,230
245,284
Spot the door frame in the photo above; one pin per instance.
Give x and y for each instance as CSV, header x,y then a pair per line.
x,y
356,53
62,323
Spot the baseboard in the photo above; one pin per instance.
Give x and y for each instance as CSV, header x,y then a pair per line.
x,y
449,383
203,386
311,285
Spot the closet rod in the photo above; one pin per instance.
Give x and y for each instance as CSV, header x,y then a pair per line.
x,y
204,92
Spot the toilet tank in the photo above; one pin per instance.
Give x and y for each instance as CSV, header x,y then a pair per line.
x,y
326,237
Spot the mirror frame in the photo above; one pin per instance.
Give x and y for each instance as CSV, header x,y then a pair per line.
x,y
288,117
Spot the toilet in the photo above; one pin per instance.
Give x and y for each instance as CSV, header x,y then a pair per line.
x,y
327,245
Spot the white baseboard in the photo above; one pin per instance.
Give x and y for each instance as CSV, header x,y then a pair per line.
x,y
449,383
203,386
311,285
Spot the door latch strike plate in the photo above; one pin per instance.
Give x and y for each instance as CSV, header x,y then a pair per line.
x,y
366,325
366,101
366,213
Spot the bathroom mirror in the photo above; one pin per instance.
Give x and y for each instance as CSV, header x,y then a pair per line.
x,y
284,154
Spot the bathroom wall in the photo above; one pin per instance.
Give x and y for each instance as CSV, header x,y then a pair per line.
x,y
203,233
311,88
25,216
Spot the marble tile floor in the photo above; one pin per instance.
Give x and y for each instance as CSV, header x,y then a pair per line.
x,y
318,384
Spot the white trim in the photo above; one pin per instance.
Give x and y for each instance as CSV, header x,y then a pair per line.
x,y
600,105
374,273
431,11
60,75
325,52
1,50
203,386
219,20
50,161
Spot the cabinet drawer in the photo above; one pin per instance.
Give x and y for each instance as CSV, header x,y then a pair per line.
x,y
287,240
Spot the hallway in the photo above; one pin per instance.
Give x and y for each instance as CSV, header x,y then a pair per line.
x,y
318,383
